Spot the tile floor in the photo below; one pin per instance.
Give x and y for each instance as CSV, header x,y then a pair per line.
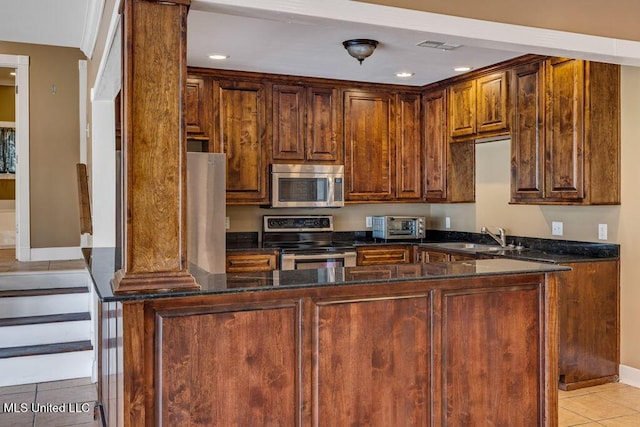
x,y
8,264
613,405
77,398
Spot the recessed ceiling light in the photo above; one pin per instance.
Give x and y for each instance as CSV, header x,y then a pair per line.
x,y
463,69
404,74
218,57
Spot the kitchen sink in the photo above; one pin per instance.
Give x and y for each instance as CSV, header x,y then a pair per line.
x,y
472,247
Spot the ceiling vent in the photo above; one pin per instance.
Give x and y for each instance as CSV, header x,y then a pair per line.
x,y
439,45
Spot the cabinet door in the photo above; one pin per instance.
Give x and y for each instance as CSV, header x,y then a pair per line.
x,y
240,132
408,147
383,254
371,360
435,146
491,103
369,146
195,106
288,122
324,142
462,109
564,175
527,133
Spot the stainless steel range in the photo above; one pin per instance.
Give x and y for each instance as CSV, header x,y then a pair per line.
x,y
306,241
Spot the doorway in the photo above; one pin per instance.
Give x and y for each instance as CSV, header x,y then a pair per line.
x,y
20,65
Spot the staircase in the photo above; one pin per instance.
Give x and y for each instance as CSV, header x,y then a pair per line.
x,y
46,330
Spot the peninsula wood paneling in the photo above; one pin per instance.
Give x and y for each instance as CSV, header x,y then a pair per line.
x,y
372,362
474,392
218,369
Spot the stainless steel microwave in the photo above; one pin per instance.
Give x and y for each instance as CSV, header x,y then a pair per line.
x,y
398,227
307,186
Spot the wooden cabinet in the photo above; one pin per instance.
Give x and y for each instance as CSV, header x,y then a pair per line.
x,y
449,169
478,108
589,324
249,261
240,132
196,118
408,147
305,124
576,160
426,255
369,138
383,254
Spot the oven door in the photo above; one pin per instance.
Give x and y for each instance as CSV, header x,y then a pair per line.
x,y
298,261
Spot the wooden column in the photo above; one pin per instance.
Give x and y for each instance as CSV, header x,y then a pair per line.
x,y
154,149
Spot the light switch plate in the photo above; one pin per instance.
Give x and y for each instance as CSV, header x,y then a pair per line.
x,y
368,222
556,228
602,231
227,223
447,222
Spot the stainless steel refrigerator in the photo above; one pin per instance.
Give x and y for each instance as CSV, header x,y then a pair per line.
x,y
206,210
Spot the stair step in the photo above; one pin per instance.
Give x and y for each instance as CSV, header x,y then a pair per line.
x,y
43,305
51,318
42,291
35,350
46,367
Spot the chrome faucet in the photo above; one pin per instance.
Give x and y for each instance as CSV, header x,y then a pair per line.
x,y
500,238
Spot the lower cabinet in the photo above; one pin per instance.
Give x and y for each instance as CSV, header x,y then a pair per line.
x,y
249,261
425,255
415,353
589,324
383,254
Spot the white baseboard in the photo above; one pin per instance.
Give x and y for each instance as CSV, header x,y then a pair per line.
x,y
56,254
629,375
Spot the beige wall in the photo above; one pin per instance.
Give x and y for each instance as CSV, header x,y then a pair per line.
x,y
580,223
595,17
54,142
7,104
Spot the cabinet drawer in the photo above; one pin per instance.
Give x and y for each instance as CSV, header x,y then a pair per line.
x,y
379,255
247,262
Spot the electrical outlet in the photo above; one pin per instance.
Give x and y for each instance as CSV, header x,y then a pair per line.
x,y
556,228
227,223
602,231
368,222
447,222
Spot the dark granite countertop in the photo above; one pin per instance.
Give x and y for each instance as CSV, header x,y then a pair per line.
x,y
536,249
103,262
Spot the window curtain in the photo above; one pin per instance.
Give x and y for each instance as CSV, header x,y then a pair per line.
x,y
7,150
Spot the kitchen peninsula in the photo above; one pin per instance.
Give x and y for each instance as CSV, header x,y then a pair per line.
x,y
459,343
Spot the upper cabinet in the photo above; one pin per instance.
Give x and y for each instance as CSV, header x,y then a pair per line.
x,y
369,139
305,125
449,168
240,130
478,108
408,146
196,116
566,137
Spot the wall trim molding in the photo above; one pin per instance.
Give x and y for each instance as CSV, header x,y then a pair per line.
x,y
56,254
91,27
629,375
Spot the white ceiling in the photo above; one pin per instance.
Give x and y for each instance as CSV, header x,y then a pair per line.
x,y
47,22
304,37
313,47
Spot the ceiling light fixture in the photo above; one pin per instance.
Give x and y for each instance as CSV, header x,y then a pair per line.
x,y
404,74
13,73
360,48
218,57
463,69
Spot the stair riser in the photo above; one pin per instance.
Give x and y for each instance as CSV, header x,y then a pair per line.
x,y
43,304
32,280
45,333
48,367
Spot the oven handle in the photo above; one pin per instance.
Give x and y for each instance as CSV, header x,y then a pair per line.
x,y
319,256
